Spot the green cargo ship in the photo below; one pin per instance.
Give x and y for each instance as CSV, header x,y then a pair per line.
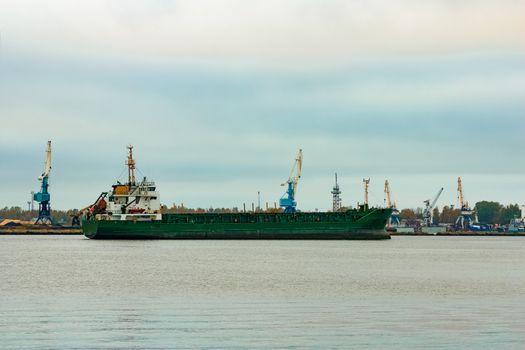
x,y
352,224
133,211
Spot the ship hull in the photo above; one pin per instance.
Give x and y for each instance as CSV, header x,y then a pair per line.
x,y
365,227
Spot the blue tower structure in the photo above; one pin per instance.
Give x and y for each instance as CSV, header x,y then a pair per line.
x,y
395,217
287,201
43,197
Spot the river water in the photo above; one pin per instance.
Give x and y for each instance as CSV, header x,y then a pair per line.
x,y
404,293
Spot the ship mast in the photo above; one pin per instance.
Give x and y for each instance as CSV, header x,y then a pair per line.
x,y
131,166
366,182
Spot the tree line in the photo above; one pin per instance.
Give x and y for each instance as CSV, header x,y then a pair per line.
x,y
487,212
17,213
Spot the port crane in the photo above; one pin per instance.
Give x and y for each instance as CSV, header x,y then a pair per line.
x,y
394,217
464,219
287,201
43,197
429,205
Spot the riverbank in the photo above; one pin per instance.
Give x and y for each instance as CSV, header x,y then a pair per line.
x,y
483,234
40,230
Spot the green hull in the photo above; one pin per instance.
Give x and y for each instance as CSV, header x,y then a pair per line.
x,y
354,224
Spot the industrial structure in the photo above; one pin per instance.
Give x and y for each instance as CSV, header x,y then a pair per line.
x,y
336,196
395,216
287,201
130,162
429,205
366,182
465,218
43,197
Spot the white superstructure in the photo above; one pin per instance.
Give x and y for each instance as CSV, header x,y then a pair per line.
x,y
135,201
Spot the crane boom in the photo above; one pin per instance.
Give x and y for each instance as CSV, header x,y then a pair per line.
x,y
298,167
47,162
436,198
429,205
460,193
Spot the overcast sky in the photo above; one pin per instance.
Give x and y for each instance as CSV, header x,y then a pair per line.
x,y
217,96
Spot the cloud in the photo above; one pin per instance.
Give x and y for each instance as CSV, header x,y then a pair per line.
x,y
197,128
269,31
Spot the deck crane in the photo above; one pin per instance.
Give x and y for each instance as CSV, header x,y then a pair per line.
x,y
429,205
287,201
464,219
43,197
394,217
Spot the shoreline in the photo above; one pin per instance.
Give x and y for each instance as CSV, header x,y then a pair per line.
x,y
75,231
488,234
24,230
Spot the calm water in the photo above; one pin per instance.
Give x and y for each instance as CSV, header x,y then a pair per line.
x,y
406,293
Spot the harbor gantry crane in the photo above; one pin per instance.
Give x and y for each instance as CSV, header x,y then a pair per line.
x,y
43,197
464,220
287,201
394,217
336,196
429,205
366,182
